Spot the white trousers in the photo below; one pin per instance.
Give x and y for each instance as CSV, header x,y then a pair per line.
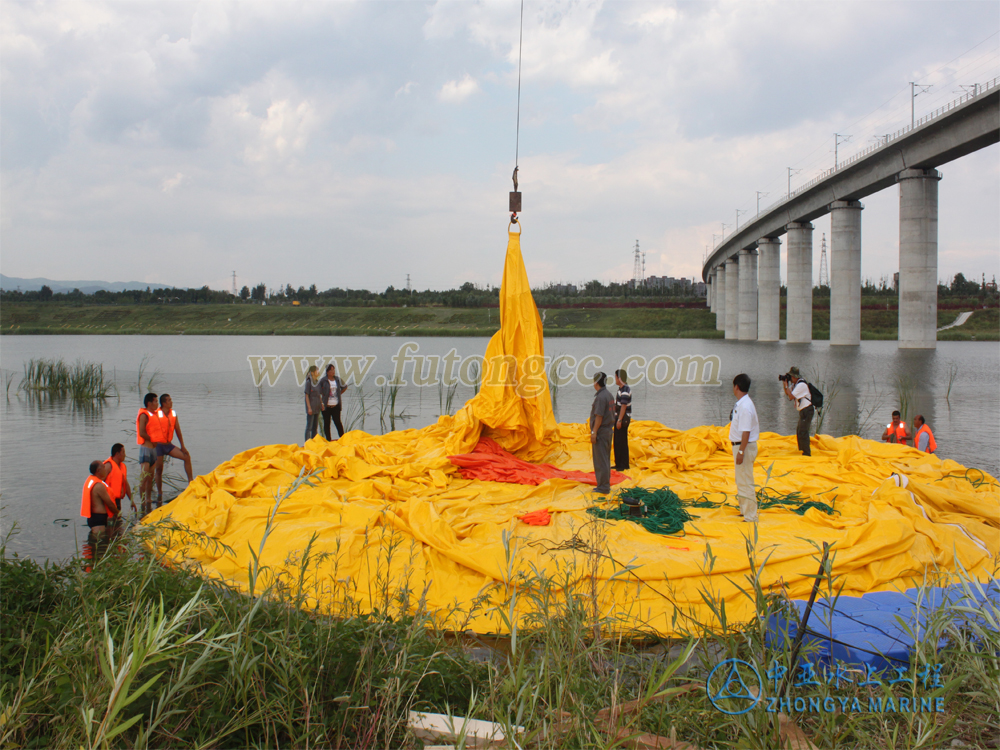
x,y
746,490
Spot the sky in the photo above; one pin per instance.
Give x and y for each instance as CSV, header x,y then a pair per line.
x,y
348,144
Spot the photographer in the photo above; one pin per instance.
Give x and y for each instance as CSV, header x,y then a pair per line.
x,y
797,390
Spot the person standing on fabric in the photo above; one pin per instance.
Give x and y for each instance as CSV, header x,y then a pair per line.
x,y
602,419
314,403
895,431
744,432
923,438
169,425
797,390
623,414
331,389
96,504
117,479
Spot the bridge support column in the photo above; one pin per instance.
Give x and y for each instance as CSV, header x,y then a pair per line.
x,y
732,298
719,273
799,322
769,289
845,273
747,325
918,258
709,288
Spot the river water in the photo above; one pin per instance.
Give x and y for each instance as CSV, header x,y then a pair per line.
x,y
46,446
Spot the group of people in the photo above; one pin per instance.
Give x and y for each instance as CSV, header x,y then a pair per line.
x,y
324,396
610,417
156,425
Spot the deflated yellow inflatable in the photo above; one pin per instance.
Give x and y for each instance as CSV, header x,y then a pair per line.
x,y
390,524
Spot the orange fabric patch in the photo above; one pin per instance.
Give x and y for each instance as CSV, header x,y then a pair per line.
x,y
491,463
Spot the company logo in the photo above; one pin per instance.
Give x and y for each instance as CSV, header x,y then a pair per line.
x,y
734,687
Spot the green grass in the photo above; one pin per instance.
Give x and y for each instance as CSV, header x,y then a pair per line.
x,y
254,320
82,381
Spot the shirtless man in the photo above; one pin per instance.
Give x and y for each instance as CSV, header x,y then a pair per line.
x,y
96,504
169,424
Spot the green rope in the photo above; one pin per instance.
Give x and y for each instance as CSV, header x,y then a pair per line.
x,y
793,501
665,512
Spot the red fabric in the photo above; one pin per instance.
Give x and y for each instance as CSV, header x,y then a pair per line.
x,y
492,463
537,518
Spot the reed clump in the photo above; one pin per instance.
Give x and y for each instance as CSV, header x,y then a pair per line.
x,y
81,381
141,653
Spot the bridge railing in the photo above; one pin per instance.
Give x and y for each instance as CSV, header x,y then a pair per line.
x,y
884,141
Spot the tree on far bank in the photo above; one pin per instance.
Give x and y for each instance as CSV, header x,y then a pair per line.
x,y
245,293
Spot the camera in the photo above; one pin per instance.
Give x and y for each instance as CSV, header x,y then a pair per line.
x,y
783,378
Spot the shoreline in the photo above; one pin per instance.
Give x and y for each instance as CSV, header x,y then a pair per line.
x,y
695,322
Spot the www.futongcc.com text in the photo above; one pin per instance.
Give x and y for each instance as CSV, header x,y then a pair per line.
x,y
450,369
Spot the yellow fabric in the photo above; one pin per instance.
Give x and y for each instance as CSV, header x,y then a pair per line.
x,y
393,526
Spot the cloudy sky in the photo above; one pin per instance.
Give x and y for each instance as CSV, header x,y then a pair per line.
x,y
349,144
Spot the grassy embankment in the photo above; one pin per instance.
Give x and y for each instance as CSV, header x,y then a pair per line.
x,y
241,319
130,652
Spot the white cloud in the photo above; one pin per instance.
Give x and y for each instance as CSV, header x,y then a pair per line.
x,y
170,184
458,91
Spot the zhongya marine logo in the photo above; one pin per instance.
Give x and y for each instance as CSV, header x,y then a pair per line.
x,y
734,686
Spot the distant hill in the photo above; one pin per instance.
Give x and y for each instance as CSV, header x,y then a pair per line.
x,y
10,283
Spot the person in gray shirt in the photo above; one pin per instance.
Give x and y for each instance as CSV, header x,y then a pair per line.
x,y
602,421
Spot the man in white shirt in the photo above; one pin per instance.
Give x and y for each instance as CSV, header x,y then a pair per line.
x,y
744,432
797,390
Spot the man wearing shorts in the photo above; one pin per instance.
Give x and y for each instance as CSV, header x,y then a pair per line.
x,y
147,432
168,424
96,504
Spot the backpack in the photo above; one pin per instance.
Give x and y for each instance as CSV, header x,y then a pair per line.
x,y
815,395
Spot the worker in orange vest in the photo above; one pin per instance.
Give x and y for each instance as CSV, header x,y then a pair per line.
x,y
923,438
96,504
895,431
117,479
168,426
147,436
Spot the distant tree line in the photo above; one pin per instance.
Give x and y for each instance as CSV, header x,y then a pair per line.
x,y
467,295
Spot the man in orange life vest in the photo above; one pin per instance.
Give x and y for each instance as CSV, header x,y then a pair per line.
x,y
147,435
117,479
923,438
895,431
167,418
96,504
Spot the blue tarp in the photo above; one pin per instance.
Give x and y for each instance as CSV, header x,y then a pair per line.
x,y
876,629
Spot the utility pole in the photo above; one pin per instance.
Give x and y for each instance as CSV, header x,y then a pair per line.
x,y
724,225
408,287
738,215
913,98
638,266
972,90
824,274
234,283
759,196
837,140
790,173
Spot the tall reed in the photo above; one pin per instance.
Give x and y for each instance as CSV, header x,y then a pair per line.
x,y
83,381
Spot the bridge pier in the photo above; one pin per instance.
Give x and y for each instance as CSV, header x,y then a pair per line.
x,y
732,298
747,322
918,258
845,273
709,290
719,274
769,289
799,322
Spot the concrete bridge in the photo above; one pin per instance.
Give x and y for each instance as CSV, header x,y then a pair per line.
x,y
742,271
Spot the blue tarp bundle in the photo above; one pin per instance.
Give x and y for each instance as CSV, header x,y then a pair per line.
x,y
876,629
